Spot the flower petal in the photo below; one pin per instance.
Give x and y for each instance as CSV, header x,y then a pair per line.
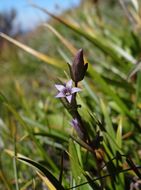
x,y
59,87
69,84
60,95
75,89
69,98
75,124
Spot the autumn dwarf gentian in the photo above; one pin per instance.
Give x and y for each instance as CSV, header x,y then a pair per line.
x,y
66,91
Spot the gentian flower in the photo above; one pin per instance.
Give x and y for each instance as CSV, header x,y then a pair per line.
x,y
66,91
76,125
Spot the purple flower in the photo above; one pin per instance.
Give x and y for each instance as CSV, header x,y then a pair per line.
x,y
136,184
78,68
66,91
76,125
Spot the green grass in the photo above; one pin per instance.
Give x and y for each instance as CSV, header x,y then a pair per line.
x,y
38,146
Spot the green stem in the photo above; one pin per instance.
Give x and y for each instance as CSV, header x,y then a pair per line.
x,y
15,164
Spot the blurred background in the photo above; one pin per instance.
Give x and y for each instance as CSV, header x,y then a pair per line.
x,y
36,43
22,21
28,21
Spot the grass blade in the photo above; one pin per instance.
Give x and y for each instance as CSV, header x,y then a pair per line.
x,y
135,69
119,133
62,39
38,167
98,41
43,170
41,56
49,185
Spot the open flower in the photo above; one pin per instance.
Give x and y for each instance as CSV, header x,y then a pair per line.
x,y
66,91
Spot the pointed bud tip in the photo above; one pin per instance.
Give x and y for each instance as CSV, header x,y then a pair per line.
x,y
78,59
80,52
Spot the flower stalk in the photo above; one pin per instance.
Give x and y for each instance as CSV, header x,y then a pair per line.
x,y
68,95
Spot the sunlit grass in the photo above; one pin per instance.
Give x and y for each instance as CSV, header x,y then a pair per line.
x,y
38,146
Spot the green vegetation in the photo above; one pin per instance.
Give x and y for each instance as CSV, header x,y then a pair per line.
x,y
39,148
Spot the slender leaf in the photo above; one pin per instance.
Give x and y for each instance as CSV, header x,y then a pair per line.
x,y
119,133
99,41
41,56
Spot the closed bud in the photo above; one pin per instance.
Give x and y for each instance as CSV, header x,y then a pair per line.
x,y
78,68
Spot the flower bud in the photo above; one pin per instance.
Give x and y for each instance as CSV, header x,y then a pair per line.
x,y
76,125
78,68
